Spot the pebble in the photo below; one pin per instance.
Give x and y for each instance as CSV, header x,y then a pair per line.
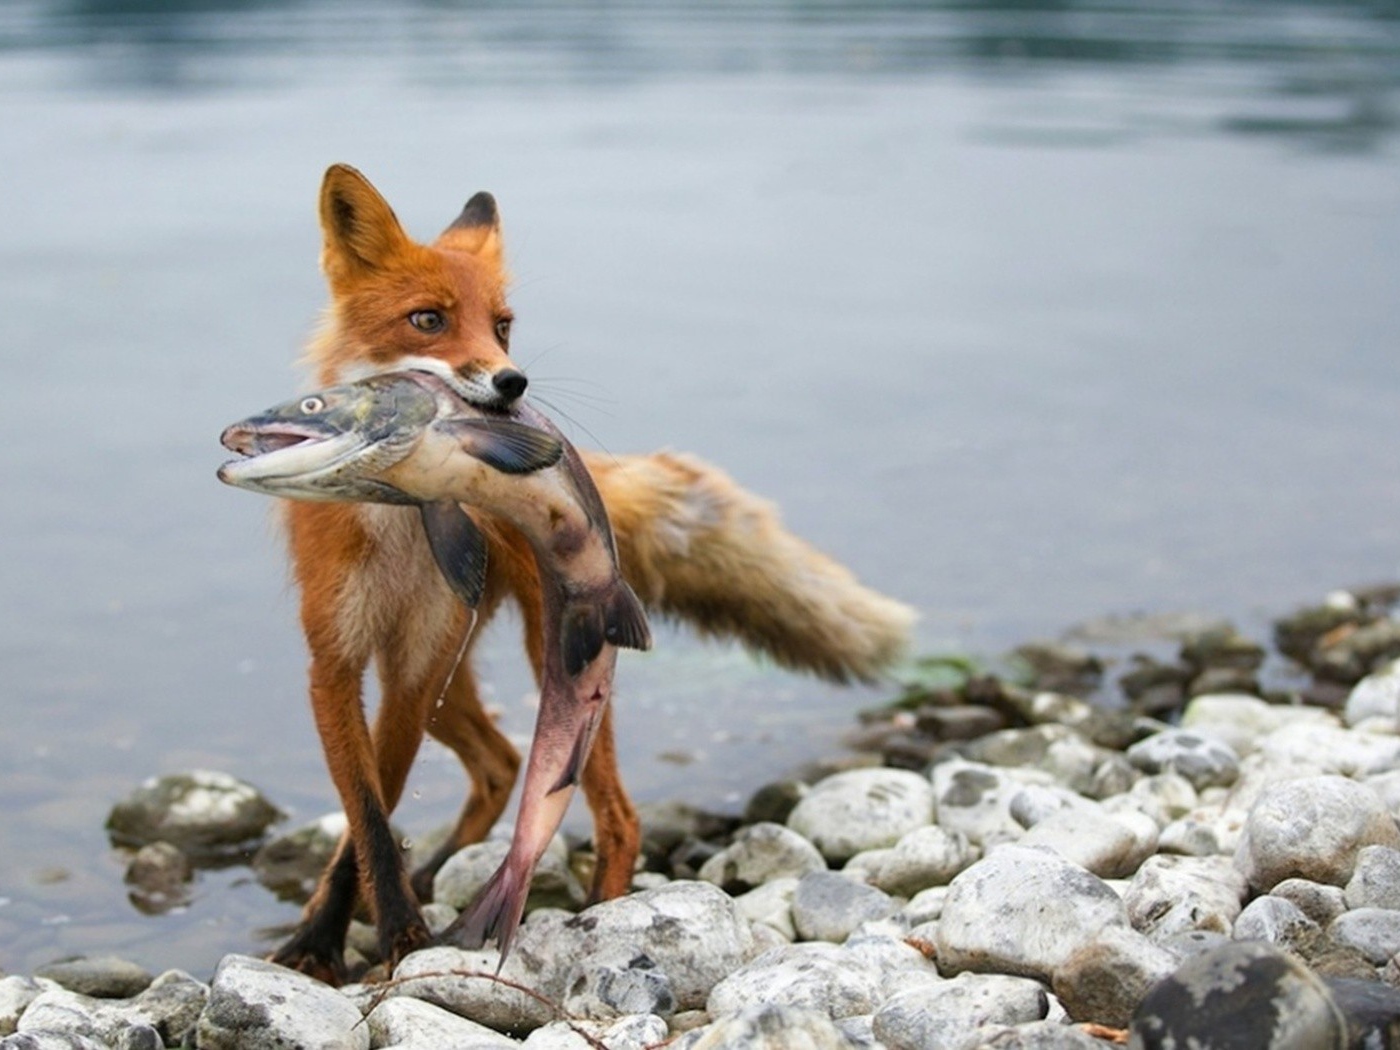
x,y
1279,922
256,1005
1108,846
925,857
290,864
1170,895
1375,881
203,813
827,906
759,854
1374,932
412,1024
100,976
1202,759
767,1027
975,800
159,876
553,884
815,976
948,1013
1105,980
862,809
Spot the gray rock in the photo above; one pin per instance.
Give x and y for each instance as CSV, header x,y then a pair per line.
x,y
1372,1010
553,884
464,982
1228,997
1170,895
1054,749
925,857
1038,1035
862,809
1319,902
690,932
770,905
1190,943
815,976
159,876
51,1041
947,1013
975,800
1035,802
16,993
759,854
1375,932
1202,759
1107,846
1277,921
1204,832
1375,881
1332,748
204,813
773,802
413,1024
290,864
1022,911
636,1032
1375,696
1113,776
1311,828
1164,797
170,1004
1106,979
256,1005
827,906
99,976
768,1027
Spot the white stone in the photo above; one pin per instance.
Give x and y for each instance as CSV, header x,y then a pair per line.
x,y
637,1032
1375,881
1022,911
464,983
771,1026
925,857
1376,695
256,1005
770,905
1241,720
1169,895
1278,921
553,883
759,854
862,809
413,1024
1375,932
827,906
813,976
1087,836
975,800
1200,757
946,1013
1335,750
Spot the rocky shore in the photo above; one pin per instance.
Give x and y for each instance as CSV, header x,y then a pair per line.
x,y
1191,843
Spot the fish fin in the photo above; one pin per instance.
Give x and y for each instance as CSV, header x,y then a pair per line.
x,y
459,549
624,621
504,444
581,637
495,911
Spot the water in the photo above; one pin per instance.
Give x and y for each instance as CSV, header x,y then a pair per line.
x,y
1028,313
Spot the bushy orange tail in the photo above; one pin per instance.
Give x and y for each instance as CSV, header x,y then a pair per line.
x,y
696,546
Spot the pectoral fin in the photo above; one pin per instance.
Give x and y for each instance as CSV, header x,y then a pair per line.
x,y
504,444
577,757
459,549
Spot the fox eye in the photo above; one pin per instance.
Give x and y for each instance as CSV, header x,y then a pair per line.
x,y
503,331
312,405
428,321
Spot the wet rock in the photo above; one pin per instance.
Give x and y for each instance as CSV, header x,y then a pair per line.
x,y
637,1032
1171,895
1374,932
947,1013
1240,721
1347,656
768,1027
1371,1009
413,1024
98,976
1375,881
553,884
291,864
962,722
1311,828
256,1005
1155,688
773,802
1201,759
1060,668
51,1041
159,876
862,809
205,814
827,906
814,976
759,854
1106,979
1221,646
170,1005
1024,912
1298,634
1227,997
667,826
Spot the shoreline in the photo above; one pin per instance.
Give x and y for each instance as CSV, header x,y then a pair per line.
x,y
1050,849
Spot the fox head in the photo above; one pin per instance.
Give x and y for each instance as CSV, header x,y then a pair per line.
x,y
396,302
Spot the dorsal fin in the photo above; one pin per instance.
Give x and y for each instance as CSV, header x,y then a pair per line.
x,y
459,549
625,621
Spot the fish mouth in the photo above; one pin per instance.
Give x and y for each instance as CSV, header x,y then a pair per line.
x,y
281,455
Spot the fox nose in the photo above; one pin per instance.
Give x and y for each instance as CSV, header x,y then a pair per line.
x,y
509,383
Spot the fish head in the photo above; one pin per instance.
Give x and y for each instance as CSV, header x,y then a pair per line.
x,y
331,444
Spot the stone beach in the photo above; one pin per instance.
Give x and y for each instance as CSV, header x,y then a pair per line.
x,y
1187,843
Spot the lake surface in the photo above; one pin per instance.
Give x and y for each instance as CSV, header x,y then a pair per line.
x,y
1028,313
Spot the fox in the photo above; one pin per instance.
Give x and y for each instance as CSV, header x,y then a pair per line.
x,y
692,544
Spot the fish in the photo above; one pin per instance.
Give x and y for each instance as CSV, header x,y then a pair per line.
x,y
409,438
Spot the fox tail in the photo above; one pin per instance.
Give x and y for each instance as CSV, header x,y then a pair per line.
x,y
697,547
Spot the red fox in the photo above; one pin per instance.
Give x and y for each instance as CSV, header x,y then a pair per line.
x,y
691,543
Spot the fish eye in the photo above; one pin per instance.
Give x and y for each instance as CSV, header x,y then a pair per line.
x,y
311,405
503,331
428,321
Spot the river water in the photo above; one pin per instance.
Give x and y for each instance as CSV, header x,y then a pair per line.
x,y
1027,312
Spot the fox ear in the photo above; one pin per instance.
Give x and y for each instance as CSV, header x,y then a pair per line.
x,y
359,229
478,228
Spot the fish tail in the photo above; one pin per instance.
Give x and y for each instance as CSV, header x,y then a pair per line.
x,y
494,912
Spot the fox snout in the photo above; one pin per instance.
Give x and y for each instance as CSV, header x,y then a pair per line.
x,y
510,383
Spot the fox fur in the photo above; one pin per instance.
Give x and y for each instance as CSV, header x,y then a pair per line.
x,y
694,546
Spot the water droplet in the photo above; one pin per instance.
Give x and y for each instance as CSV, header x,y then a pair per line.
x,y
407,843
417,793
